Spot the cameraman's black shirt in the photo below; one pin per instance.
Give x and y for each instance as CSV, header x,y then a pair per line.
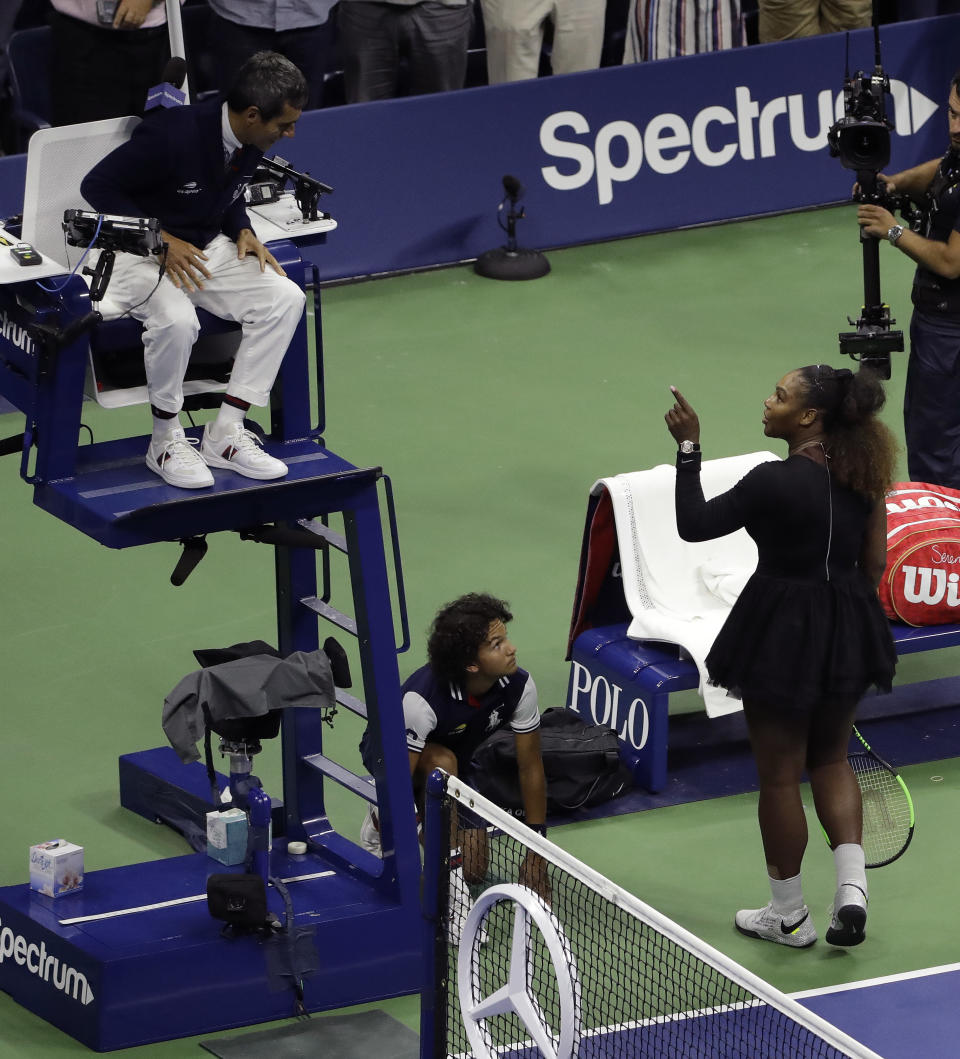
x,y
931,292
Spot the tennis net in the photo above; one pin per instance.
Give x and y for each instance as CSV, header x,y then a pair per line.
x,y
548,959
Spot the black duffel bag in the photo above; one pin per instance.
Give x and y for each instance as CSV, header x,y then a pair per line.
x,y
581,763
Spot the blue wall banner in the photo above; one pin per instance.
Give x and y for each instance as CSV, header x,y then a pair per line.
x,y
609,153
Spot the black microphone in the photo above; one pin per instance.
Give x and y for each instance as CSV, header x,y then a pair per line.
x,y
513,188
280,167
167,94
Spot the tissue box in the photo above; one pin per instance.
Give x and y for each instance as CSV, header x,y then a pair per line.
x,y
56,867
227,836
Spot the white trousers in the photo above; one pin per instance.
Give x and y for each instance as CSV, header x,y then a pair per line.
x,y
513,30
266,305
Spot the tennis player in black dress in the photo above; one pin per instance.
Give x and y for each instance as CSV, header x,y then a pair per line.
x,y
807,636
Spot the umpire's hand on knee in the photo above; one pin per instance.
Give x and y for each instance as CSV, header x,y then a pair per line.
x,y
248,243
184,263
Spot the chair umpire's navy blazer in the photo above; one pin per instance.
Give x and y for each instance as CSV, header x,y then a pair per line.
x,y
172,168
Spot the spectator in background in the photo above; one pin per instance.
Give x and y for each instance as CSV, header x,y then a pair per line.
x,y
663,30
514,32
431,35
787,19
105,57
910,9
299,29
8,15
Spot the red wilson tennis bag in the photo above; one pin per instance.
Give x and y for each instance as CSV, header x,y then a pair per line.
x,y
921,585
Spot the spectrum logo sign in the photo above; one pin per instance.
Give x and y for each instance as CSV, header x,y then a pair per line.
x,y
617,151
37,961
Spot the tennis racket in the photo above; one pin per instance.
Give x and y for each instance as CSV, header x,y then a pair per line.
x,y
888,817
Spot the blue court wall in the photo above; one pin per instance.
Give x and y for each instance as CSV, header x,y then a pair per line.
x,y
608,153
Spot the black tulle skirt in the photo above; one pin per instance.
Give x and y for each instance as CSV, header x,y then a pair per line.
x,y
792,644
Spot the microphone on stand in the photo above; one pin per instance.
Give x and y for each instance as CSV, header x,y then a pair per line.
x,y
511,262
167,94
513,188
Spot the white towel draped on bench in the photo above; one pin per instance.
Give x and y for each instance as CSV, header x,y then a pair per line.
x,y
680,592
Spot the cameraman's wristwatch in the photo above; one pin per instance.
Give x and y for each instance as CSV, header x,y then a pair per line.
x,y
894,233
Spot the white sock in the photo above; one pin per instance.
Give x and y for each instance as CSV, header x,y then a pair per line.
x,y
163,427
787,895
851,869
228,417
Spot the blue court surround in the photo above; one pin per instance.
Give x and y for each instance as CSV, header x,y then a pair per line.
x,y
901,1017
904,1017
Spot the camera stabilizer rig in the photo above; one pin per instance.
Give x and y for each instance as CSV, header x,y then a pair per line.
x,y
861,140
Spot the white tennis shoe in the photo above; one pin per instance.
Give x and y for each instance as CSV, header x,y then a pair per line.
x,y
175,458
796,930
849,920
240,450
459,908
370,833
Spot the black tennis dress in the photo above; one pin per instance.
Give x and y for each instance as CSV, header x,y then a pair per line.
x,y
808,626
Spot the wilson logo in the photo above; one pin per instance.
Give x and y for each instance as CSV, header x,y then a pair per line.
x,y
37,961
901,507
930,586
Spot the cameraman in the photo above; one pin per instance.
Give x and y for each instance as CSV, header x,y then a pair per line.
x,y
931,403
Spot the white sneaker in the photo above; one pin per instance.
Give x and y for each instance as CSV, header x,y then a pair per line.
x,y
241,451
796,931
175,458
459,908
370,833
849,920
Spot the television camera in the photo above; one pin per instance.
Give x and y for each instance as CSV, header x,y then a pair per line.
x,y
861,140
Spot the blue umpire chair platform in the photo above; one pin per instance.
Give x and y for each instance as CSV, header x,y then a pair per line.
x,y
135,956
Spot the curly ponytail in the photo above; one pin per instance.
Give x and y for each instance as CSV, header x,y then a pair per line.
x,y
862,449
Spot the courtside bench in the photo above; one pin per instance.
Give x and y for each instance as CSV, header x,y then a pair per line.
x,y
626,684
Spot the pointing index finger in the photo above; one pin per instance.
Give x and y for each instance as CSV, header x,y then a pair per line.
x,y
681,400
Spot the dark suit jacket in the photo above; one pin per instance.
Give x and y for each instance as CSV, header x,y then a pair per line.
x,y
172,168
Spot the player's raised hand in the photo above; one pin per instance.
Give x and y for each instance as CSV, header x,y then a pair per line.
x,y
682,421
